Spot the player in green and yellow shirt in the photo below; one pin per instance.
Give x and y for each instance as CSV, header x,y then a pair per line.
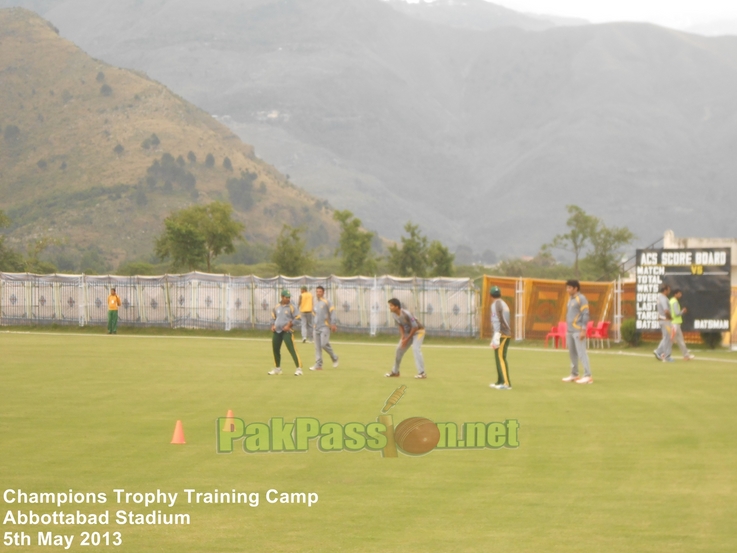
x,y
113,302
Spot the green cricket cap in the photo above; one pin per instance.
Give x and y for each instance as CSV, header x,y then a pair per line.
x,y
495,291
285,294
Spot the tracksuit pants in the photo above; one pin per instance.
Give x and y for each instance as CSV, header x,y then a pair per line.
x,y
112,321
415,343
665,347
577,353
307,326
276,342
680,341
502,368
322,342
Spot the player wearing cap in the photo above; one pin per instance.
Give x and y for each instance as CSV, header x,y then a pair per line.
x,y
501,338
282,321
411,333
324,323
577,318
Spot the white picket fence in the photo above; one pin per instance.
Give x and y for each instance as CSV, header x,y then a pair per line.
x,y
446,306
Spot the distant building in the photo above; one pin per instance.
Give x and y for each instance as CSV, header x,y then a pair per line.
x,y
671,242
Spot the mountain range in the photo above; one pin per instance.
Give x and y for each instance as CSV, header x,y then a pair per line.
x,y
481,135
479,15
94,157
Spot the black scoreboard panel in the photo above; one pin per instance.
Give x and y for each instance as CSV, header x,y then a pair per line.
x,y
702,275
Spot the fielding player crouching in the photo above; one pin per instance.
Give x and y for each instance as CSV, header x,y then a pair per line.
x,y
411,333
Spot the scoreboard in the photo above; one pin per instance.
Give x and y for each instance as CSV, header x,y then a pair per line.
x,y
702,275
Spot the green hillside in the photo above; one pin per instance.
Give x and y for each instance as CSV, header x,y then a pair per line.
x,y
476,136
97,156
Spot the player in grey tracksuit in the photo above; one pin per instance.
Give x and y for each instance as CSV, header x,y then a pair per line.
x,y
411,333
324,318
577,318
665,347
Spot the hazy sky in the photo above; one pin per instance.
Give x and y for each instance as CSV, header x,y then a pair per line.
x,y
673,13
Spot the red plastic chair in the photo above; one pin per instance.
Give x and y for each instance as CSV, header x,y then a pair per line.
x,y
601,333
558,334
589,332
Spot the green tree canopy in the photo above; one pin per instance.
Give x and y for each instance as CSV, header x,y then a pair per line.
x,y
195,236
603,243
411,259
355,246
604,259
33,263
10,260
440,259
290,254
582,226
183,243
416,258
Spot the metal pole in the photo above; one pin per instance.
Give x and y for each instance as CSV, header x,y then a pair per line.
x,y
519,316
618,310
227,303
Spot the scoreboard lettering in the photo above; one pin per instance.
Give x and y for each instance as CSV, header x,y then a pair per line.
x,y
702,275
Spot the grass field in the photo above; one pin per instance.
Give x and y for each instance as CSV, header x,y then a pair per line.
x,y
643,460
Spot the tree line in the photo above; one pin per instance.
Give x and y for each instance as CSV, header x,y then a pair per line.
x,y
194,237
596,249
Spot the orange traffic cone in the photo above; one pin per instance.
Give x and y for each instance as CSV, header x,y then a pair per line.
x,y
229,425
178,437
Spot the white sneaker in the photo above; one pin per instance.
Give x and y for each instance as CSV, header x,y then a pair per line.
x,y
298,372
304,340
335,363
503,387
585,380
689,356
315,368
277,370
570,378
421,376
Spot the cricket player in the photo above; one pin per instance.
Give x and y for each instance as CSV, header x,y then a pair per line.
x,y
282,321
411,333
577,317
113,303
305,313
501,338
324,323
676,312
665,347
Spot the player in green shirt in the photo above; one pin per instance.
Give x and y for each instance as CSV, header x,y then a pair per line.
x,y
676,313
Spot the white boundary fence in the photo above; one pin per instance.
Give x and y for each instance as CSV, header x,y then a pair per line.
x,y
446,306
